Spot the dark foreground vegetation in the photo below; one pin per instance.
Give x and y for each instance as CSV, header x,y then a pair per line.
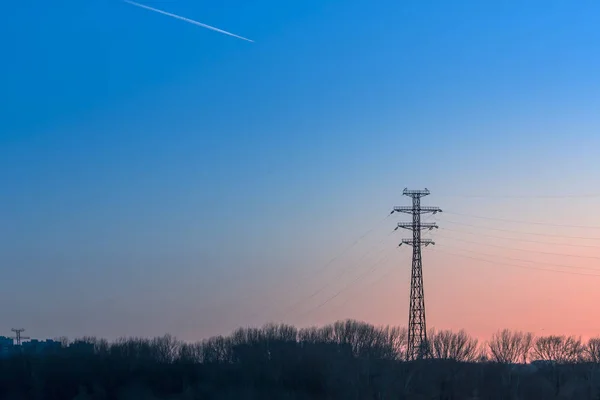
x,y
346,360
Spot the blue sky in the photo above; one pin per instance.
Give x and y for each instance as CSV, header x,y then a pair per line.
x,y
160,177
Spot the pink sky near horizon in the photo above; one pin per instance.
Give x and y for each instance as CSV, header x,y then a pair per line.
x,y
462,291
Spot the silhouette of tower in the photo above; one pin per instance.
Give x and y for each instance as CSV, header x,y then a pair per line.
x,y
417,329
18,336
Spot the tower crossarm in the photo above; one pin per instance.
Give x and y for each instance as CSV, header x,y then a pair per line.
x,y
422,242
420,210
422,225
415,193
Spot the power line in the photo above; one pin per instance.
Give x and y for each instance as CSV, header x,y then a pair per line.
x,y
517,266
530,261
375,282
371,270
325,266
483,196
338,276
388,273
519,232
523,222
335,258
522,240
291,308
514,248
347,248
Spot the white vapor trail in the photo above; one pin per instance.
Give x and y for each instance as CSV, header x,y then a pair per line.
x,y
191,21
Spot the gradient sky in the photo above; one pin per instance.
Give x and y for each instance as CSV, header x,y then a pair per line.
x,y
160,177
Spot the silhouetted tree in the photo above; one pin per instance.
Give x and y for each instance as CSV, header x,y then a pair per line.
x,y
560,349
510,347
448,345
343,360
164,349
190,353
592,350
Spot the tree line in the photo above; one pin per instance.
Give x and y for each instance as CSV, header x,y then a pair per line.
x,y
345,360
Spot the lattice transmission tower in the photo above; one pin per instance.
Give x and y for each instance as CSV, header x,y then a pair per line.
x,y
18,335
417,329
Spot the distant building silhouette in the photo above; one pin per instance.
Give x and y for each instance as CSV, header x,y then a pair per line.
x,y
40,347
7,346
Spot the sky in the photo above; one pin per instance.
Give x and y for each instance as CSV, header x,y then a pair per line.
x,y
158,177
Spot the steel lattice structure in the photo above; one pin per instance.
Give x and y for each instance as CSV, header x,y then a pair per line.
x,y
18,335
417,329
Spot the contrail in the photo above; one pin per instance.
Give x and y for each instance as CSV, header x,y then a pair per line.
x,y
191,21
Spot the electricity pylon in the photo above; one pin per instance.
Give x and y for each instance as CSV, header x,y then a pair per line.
x,y
417,329
18,336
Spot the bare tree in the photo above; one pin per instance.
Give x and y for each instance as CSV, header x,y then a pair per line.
x,y
592,350
560,349
510,347
449,345
281,332
398,339
309,335
190,353
363,339
165,348
359,336
64,341
101,346
217,349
